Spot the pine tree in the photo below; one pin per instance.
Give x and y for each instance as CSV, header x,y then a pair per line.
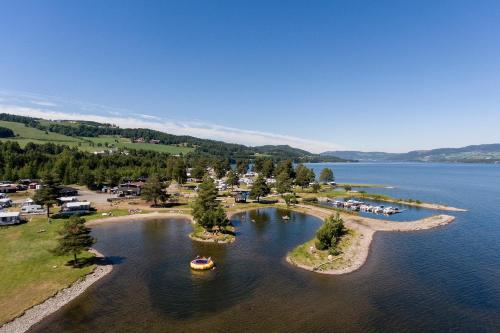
x,y
283,183
259,188
304,175
207,211
49,192
232,178
152,189
74,238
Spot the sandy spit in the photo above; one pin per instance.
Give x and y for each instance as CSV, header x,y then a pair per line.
x,y
365,229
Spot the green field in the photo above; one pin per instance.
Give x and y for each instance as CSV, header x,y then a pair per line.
x,y
29,272
26,134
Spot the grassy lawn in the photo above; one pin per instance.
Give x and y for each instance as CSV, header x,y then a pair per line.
x,y
114,212
29,273
27,134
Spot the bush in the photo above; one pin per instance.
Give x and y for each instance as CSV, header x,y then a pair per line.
x,y
310,199
6,132
330,233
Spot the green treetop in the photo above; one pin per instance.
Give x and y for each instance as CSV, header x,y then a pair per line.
x,y
304,175
207,211
242,166
326,175
232,178
74,238
152,189
259,188
283,183
328,236
47,195
285,166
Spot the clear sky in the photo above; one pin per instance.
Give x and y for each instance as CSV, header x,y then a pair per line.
x,y
361,75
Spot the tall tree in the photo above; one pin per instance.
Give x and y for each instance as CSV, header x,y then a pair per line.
x,y
304,175
152,189
232,178
285,166
258,164
198,172
207,211
179,171
47,195
259,188
221,167
242,166
283,183
74,238
267,168
326,175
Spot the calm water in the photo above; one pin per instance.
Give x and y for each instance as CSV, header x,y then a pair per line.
x,y
440,280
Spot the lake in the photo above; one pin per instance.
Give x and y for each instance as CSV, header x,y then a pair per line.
x,y
445,279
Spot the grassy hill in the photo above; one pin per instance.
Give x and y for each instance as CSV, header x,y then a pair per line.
x,y
25,134
92,136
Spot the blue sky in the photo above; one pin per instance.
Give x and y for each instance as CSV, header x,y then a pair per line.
x,y
319,75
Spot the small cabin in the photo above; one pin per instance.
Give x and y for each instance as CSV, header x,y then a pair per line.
x,y
129,189
240,196
68,192
76,207
10,218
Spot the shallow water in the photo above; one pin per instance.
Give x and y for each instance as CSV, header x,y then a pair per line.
x,y
445,279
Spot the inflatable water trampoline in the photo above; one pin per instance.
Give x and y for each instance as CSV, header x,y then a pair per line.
x,y
202,264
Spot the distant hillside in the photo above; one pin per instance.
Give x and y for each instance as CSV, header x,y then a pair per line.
x,y
359,155
487,153
93,136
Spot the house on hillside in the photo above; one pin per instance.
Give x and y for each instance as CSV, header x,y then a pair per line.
x,y
139,140
155,142
10,218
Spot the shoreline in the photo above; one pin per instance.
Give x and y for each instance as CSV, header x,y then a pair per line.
x,y
37,313
357,253
365,228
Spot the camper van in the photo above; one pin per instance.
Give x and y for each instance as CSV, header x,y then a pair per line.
x,y
32,209
5,202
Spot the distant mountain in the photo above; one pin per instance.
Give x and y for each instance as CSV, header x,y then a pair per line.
x,y
487,153
360,155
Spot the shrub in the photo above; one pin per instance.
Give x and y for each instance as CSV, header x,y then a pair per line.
x,y
330,233
6,132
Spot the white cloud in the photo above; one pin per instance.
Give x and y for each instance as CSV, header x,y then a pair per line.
x,y
196,129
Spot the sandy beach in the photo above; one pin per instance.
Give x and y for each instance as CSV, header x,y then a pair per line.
x,y
38,312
